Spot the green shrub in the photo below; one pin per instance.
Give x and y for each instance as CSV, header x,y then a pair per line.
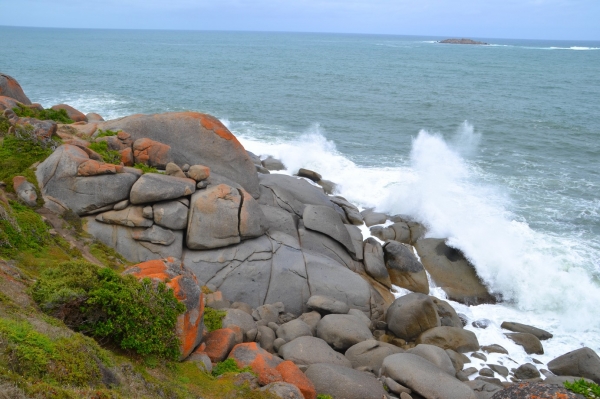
x,y
109,156
106,133
21,230
228,366
69,360
213,319
135,315
59,116
588,389
4,125
323,396
21,150
145,168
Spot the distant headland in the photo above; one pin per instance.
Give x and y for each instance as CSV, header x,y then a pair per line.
x,y
462,41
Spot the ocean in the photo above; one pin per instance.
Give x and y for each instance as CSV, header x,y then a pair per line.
x,y
496,148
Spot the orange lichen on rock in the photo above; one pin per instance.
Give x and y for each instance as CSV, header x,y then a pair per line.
x,y
186,289
219,343
151,152
293,375
127,156
94,168
259,360
17,181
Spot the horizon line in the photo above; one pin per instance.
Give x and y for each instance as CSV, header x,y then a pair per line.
x,y
297,32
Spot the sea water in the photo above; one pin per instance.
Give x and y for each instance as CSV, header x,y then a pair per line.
x,y
496,148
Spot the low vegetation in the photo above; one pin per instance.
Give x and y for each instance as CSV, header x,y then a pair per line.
x,y
134,315
213,319
108,155
59,116
145,168
228,366
106,133
588,389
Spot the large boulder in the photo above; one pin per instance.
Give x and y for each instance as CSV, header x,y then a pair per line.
x,y
283,390
583,362
9,87
152,153
404,268
293,329
411,315
368,355
312,350
194,139
326,305
454,338
341,331
374,260
222,215
171,214
342,382
435,355
262,363
62,189
125,240
273,268
524,328
452,272
424,377
352,213
186,289
530,343
292,375
154,187
72,113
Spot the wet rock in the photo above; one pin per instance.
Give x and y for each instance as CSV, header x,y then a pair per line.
x,y
271,163
503,371
411,315
526,371
452,272
372,218
481,323
524,328
529,342
494,349
352,213
582,362
453,338
404,268
375,262
309,174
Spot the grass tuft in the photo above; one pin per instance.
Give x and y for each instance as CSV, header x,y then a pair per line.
x,y
59,116
588,389
109,156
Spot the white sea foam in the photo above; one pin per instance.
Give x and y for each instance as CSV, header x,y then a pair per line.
x,y
545,279
107,105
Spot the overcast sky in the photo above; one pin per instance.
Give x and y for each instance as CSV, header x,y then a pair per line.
x,y
527,19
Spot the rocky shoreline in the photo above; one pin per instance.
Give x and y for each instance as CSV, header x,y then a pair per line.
x,y
308,300
463,41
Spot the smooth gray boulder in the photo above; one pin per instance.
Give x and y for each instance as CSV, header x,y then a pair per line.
x,y
497,368
324,245
343,382
171,215
524,328
526,371
62,189
583,362
452,272
312,350
288,187
368,355
483,389
530,343
155,187
448,316
424,377
277,219
372,218
122,240
412,314
194,138
454,338
311,319
341,331
155,235
357,241
213,219
251,217
327,221
237,317
131,216
267,338
404,268
326,305
271,163
375,262
435,355
352,213
294,329
361,316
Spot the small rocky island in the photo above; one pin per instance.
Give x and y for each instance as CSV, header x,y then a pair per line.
x,y
462,41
